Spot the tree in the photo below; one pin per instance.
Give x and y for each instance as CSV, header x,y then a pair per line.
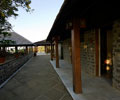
x,y
9,8
4,41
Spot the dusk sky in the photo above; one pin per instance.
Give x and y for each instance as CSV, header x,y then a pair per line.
x,y
36,26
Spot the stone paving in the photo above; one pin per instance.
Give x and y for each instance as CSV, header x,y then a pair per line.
x,y
93,88
37,80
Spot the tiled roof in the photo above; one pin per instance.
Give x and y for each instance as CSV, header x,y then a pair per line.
x,y
19,40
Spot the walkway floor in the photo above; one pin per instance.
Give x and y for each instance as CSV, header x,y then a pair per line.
x,y
37,80
94,88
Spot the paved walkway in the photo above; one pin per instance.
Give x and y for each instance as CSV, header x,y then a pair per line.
x,y
94,88
36,81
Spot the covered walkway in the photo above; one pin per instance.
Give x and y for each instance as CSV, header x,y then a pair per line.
x,y
94,88
37,80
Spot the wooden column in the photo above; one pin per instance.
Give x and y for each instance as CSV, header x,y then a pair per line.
x,y
16,49
57,53
97,51
51,51
31,49
36,49
4,48
27,49
77,83
0,48
45,49
62,51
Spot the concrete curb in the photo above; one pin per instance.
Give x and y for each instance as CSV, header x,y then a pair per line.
x,y
67,83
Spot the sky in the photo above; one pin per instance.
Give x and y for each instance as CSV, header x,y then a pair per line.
x,y
36,26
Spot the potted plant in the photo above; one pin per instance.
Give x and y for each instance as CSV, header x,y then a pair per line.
x,y
2,56
16,54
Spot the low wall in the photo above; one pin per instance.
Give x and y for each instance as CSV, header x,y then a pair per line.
x,y
7,69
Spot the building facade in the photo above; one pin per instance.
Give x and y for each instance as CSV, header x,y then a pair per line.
x,y
90,39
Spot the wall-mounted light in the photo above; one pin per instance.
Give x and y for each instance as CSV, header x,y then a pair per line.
x,y
107,68
85,46
108,61
108,64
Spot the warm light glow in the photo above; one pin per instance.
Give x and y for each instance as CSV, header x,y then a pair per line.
x,y
107,68
107,61
91,49
85,46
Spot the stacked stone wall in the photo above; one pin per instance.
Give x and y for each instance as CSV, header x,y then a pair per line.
x,y
7,69
116,54
88,52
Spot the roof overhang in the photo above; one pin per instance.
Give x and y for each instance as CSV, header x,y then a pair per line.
x,y
96,13
42,43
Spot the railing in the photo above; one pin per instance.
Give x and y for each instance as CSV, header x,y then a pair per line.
x,y
7,69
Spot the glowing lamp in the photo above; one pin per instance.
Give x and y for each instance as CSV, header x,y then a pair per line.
x,y
85,46
107,61
107,68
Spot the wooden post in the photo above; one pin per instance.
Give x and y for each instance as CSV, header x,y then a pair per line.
x,y
36,49
57,53
0,48
45,49
51,51
27,49
97,50
62,51
16,49
4,48
77,83
32,49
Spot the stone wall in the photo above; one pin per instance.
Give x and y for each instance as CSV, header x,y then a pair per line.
x,y
67,50
83,52
116,54
88,52
7,69
59,49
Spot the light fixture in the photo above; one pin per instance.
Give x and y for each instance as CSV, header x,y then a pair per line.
x,y
85,46
107,61
107,68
